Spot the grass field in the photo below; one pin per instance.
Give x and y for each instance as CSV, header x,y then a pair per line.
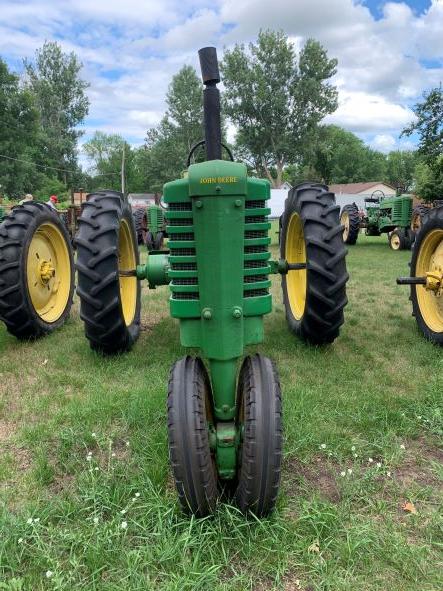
x,y
87,501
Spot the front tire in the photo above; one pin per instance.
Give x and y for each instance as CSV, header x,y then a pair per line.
x,y
260,421
427,255
314,297
106,245
189,415
36,271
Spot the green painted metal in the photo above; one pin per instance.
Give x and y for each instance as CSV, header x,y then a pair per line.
x,y
155,270
217,222
155,219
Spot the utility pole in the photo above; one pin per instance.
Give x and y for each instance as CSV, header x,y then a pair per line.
x,y
123,169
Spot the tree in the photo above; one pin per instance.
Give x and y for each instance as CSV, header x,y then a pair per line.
x,y
18,136
339,156
60,95
167,145
400,167
428,180
429,125
277,99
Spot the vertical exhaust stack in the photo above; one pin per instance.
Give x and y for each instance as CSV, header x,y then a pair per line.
x,y
211,102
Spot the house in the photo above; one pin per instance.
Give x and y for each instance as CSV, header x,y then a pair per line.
x,y
357,192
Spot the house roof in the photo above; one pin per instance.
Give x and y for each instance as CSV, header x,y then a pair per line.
x,y
356,188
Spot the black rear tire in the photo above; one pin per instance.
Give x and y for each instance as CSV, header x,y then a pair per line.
x,y
159,239
326,276
193,465
418,214
260,452
16,233
140,222
102,308
350,233
150,242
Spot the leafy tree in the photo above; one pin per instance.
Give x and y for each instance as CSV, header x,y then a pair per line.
x,y
400,167
60,95
429,124
339,156
167,145
428,180
105,152
18,136
277,98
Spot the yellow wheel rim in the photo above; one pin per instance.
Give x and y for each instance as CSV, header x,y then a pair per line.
x,y
296,281
430,258
48,272
395,242
344,220
127,262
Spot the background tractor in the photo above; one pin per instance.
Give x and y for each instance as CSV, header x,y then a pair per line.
x,y
36,270
382,215
150,226
224,413
426,279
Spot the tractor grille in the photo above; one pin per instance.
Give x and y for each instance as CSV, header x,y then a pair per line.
x,y
184,283
255,244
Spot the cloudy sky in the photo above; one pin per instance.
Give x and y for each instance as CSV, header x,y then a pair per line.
x,y
388,52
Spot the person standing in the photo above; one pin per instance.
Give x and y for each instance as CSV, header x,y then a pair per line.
x,y
52,201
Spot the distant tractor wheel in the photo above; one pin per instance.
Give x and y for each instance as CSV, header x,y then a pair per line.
x,y
350,221
315,294
36,271
106,249
427,257
418,214
189,418
159,239
400,239
150,241
260,424
139,215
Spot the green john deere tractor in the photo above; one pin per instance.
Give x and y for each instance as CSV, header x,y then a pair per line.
x,y
224,414
150,226
426,276
36,271
382,215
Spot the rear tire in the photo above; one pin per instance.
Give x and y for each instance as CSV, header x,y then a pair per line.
x,y
36,271
418,214
150,242
189,411
159,239
139,215
427,255
350,219
314,298
260,452
106,243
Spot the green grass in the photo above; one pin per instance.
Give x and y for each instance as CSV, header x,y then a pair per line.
x,y
375,394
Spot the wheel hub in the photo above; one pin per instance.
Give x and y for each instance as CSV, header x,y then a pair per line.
x,y
45,271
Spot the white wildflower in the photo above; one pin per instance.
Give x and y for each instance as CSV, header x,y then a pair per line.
x,y
94,435
124,524
95,520
378,464
113,455
370,460
37,519
388,474
355,455
402,446
137,494
323,445
123,511
343,473
49,574
127,444
353,448
29,521
96,468
349,471
20,540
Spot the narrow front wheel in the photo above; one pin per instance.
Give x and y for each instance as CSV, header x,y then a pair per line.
x,y
260,425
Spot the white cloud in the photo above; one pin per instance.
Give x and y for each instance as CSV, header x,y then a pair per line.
x,y
144,42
